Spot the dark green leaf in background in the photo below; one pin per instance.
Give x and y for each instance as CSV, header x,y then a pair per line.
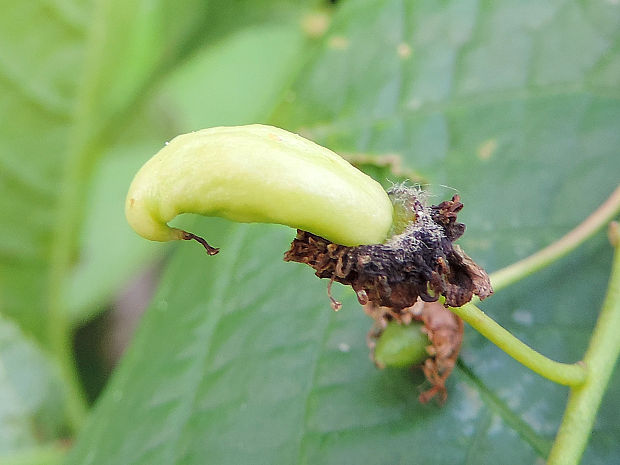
x,y
514,105
240,360
78,120
71,89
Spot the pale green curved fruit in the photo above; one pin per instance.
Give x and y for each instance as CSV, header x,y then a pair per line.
x,y
260,174
401,345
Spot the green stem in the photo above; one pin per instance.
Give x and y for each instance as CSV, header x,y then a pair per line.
x,y
600,359
562,373
523,268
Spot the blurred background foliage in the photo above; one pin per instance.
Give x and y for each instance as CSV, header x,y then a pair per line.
x,y
514,104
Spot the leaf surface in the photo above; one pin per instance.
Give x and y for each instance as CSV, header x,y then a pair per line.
x,y
31,394
73,90
240,360
84,103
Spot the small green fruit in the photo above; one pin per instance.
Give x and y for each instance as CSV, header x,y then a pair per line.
x,y
401,345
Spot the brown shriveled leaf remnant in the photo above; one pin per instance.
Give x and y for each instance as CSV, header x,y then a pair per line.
x,y
420,262
403,278
445,333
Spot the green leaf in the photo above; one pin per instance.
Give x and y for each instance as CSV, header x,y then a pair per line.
x,y
31,396
74,105
56,105
38,95
78,80
240,360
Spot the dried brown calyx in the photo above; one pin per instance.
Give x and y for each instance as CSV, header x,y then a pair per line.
x,y
420,260
403,278
445,334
